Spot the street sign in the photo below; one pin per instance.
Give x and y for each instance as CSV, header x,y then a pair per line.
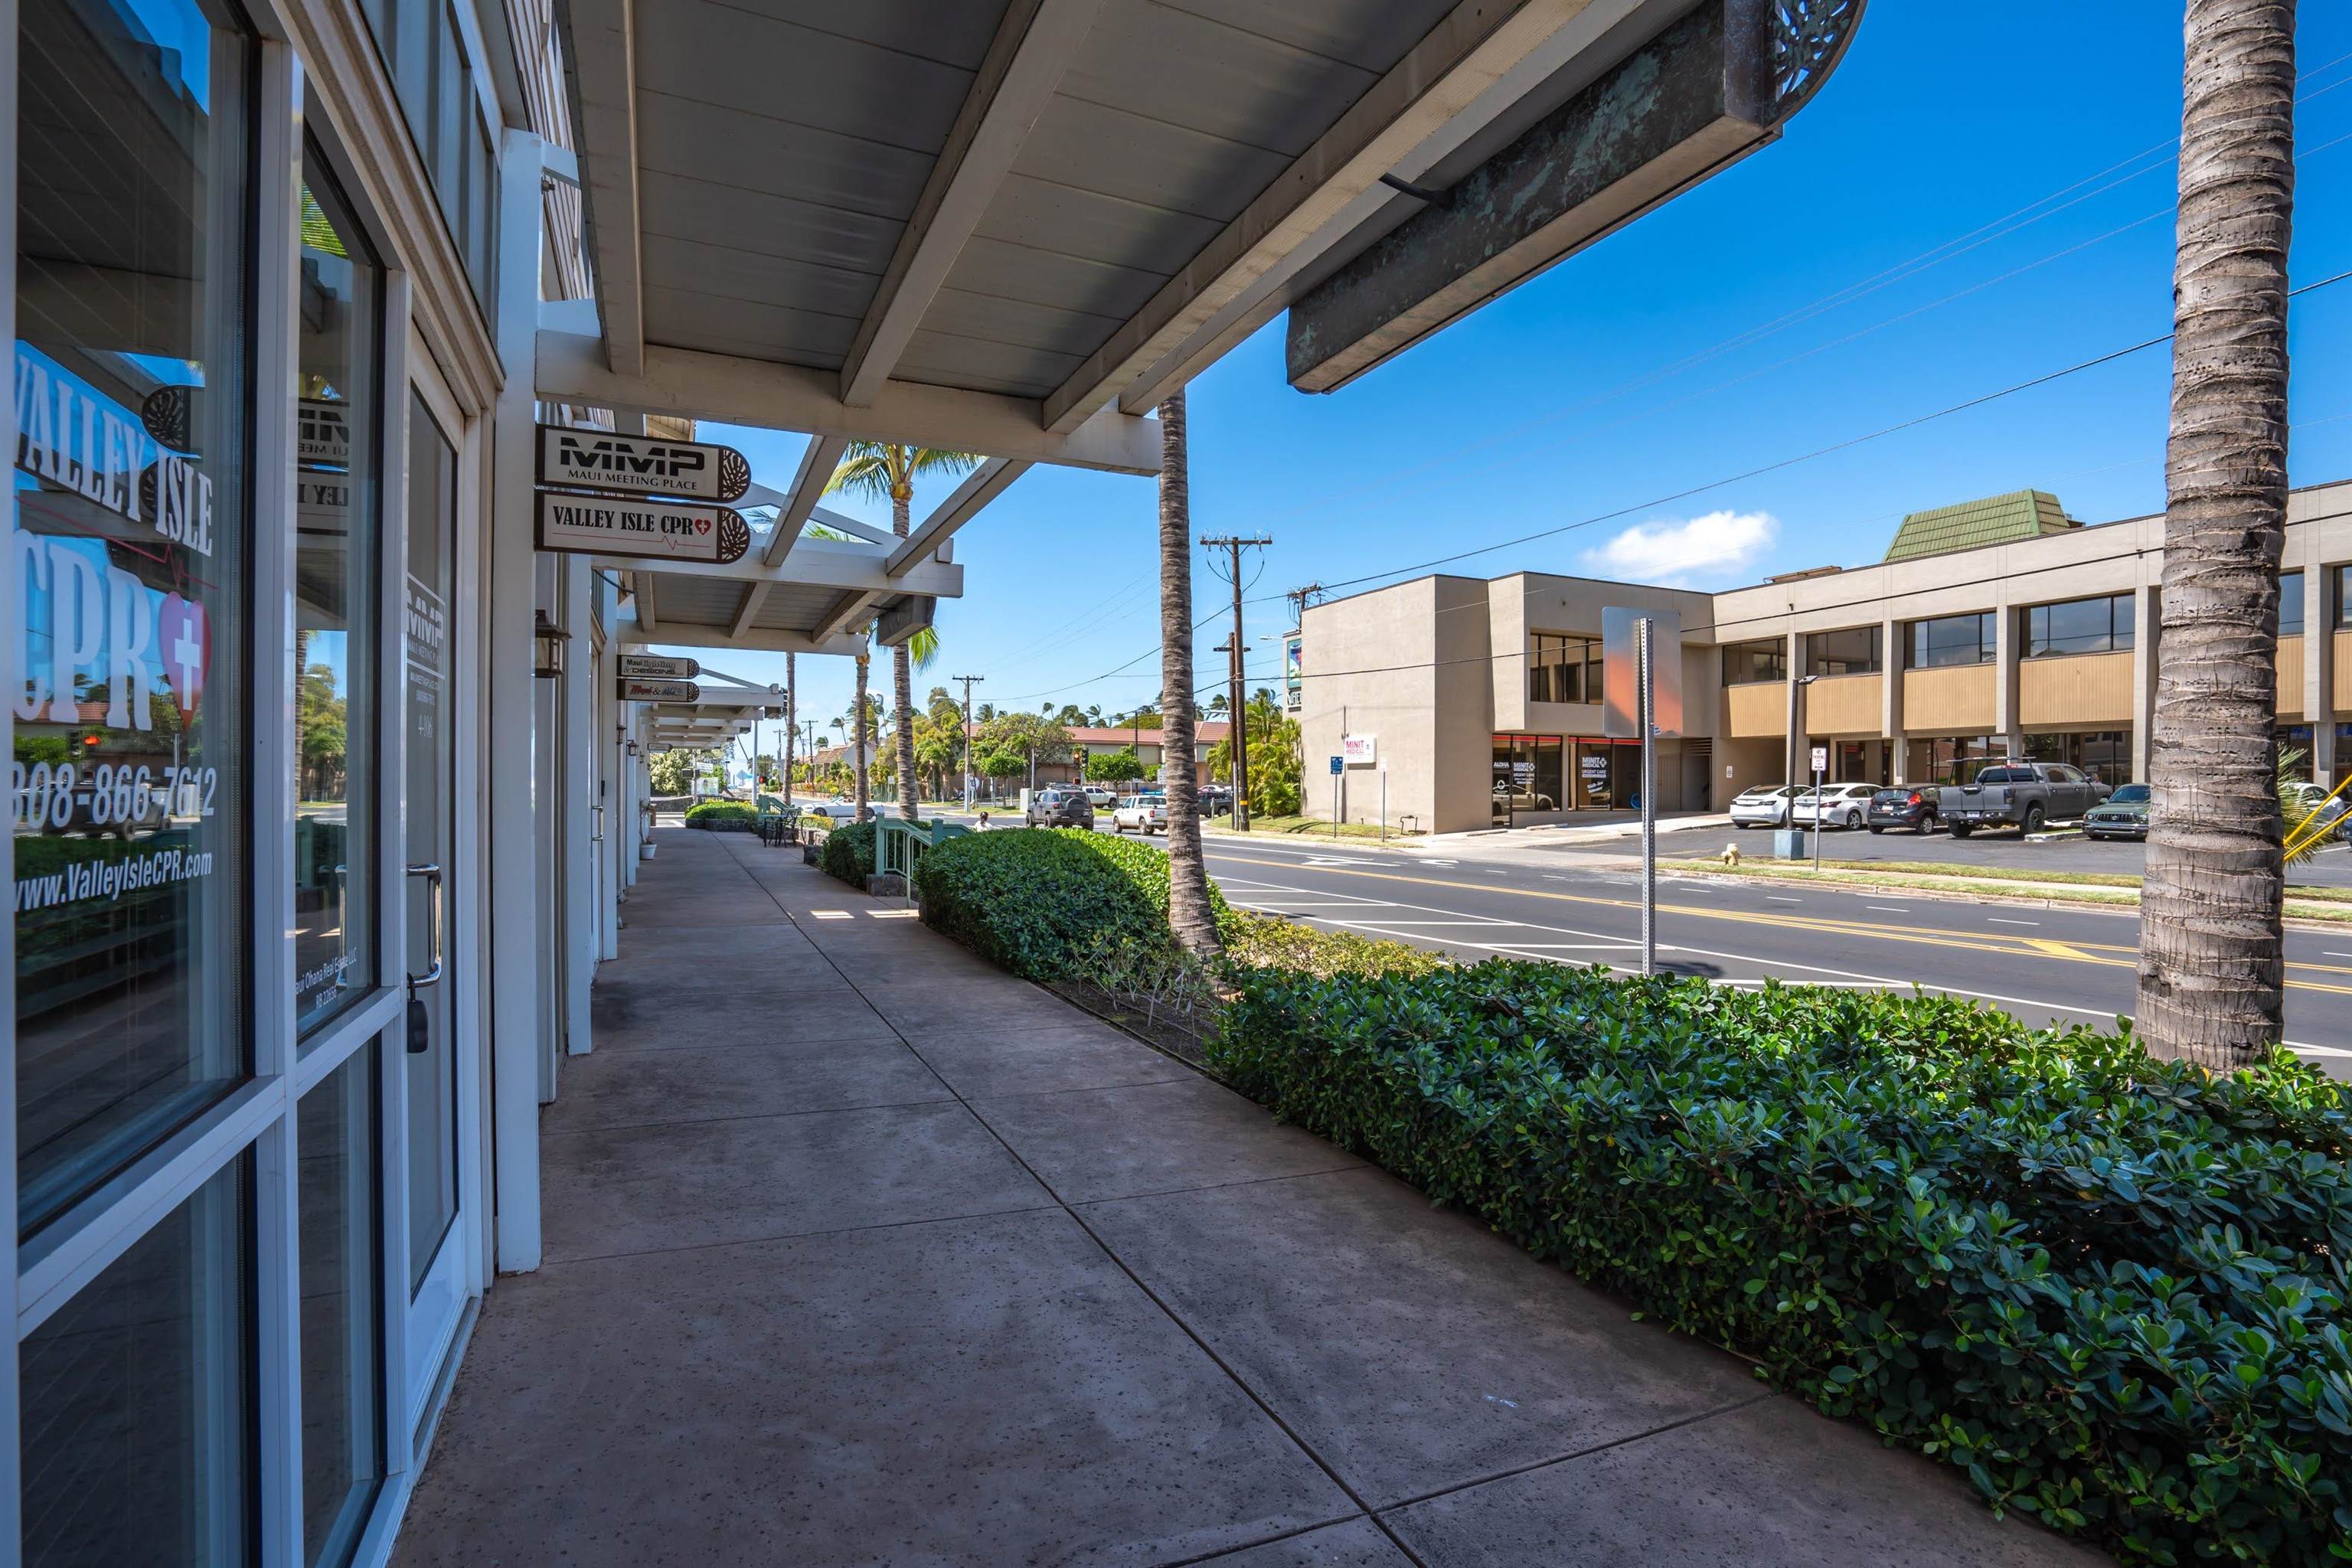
x,y
657,529
658,667
1820,759
640,465
659,691
1619,678
1338,765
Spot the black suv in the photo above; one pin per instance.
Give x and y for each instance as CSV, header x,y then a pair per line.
x,y
1911,808
1060,808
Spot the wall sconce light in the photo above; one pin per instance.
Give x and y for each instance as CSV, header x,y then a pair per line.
x,y
547,640
632,749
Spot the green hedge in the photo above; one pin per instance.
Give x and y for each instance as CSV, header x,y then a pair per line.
x,y
721,816
1035,900
2112,1291
848,853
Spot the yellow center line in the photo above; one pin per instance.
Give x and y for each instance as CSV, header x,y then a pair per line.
x,y
2016,947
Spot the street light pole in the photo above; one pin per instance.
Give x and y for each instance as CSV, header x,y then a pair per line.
x,y
1236,719
967,680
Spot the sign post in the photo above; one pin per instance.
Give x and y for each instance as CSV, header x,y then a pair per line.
x,y
1642,697
1338,765
1820,766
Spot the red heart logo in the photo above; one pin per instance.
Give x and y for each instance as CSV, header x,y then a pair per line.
x,y
183,639
702,526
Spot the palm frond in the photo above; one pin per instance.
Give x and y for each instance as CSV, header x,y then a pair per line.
x,y
925,460
865,470
924,647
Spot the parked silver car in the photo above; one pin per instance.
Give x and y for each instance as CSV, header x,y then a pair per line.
x,y
1839,805
1766,806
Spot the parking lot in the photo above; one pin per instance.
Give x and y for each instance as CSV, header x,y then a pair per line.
x,y
2057,851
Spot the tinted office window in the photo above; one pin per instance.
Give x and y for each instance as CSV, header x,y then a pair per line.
x,y
2343,597
2290,603
134,224
1852,652
425,53
2079,626
1750,663
1952,639
1563,668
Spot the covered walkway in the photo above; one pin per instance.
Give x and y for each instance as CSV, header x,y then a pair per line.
x,y
858,1251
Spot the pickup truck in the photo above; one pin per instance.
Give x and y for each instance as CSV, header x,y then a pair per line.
x,y
2022,796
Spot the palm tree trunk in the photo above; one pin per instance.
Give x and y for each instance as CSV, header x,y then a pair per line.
x,y
902,677
1189,915
2210,944
859,744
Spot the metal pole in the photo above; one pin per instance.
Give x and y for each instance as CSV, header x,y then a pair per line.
x,y
1384,803
1646,697
967,680
1335,808
1817,821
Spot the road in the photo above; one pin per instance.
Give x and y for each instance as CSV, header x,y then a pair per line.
x,y
2043,964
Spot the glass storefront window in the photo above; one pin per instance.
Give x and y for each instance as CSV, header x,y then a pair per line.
x,y
1947,759
342,1308
137,1400
336,583
1527,774
134,224
2104,754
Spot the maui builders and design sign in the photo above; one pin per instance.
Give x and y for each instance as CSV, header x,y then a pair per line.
x,y
640,465
655,529
658,667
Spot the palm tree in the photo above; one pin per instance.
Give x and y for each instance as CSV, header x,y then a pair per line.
x,y
880,470
1189,914
2211,948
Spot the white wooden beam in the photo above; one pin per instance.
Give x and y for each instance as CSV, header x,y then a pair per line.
x,y
683,635
822,455
638,591
1034,43
815,562
1469,71
738,391
602,52
853,608
983,485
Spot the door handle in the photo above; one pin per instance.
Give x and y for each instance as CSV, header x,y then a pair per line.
x,y
432,976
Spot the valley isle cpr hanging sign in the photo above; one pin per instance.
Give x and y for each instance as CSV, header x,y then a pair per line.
x,y
655,529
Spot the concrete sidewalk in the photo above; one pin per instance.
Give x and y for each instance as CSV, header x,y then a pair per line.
x,y
861,1252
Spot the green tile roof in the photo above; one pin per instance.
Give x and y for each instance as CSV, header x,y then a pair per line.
x,y
1996,519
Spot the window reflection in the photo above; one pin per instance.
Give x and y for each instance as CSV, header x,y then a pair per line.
x,y
138,1418
336,593
133,223
342,1299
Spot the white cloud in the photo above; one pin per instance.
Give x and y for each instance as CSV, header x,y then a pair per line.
x,y
1668,551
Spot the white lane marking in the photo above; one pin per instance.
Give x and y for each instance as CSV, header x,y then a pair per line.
x,y
1472,922
1886,908
1602,938
2325,953
1262,902
1998,922
1777,899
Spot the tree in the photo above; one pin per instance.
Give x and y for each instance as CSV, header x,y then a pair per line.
x,y
880,469
1275,762
2212,944
1189,915
672,772
1116,767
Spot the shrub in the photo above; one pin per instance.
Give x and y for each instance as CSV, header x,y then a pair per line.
x,y
1036,900
848,853
721,816
1263,941
2111,1290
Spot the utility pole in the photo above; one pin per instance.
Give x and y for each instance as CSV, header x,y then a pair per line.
x,y
1239,733
967,680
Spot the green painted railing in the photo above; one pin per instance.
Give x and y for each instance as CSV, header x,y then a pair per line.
x,y
898,846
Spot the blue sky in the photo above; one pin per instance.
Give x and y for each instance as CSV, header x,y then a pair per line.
x,y
1821,290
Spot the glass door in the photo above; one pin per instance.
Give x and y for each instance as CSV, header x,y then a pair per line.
x,y
429,1083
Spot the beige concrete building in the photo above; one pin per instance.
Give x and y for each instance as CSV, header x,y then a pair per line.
x,y
1998,627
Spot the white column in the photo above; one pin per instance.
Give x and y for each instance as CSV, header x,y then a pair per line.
x,y
2318,657
1890,700
2005,725
575,852
2144,630
517,996
1793,751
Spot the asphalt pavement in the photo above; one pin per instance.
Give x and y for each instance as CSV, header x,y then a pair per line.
x,y
2041,964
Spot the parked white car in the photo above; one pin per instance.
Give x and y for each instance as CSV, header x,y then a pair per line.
x,y
1766,806
1840,805
1141,814
1098,797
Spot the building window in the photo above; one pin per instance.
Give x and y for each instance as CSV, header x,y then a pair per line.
x,y
2079,626
1753,663
134,229
1563,668
424,52
2343,598
1947,759
343,1306
1852,652
1952,639
337,585
1528,775
137,1396
2104,754
2290,603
